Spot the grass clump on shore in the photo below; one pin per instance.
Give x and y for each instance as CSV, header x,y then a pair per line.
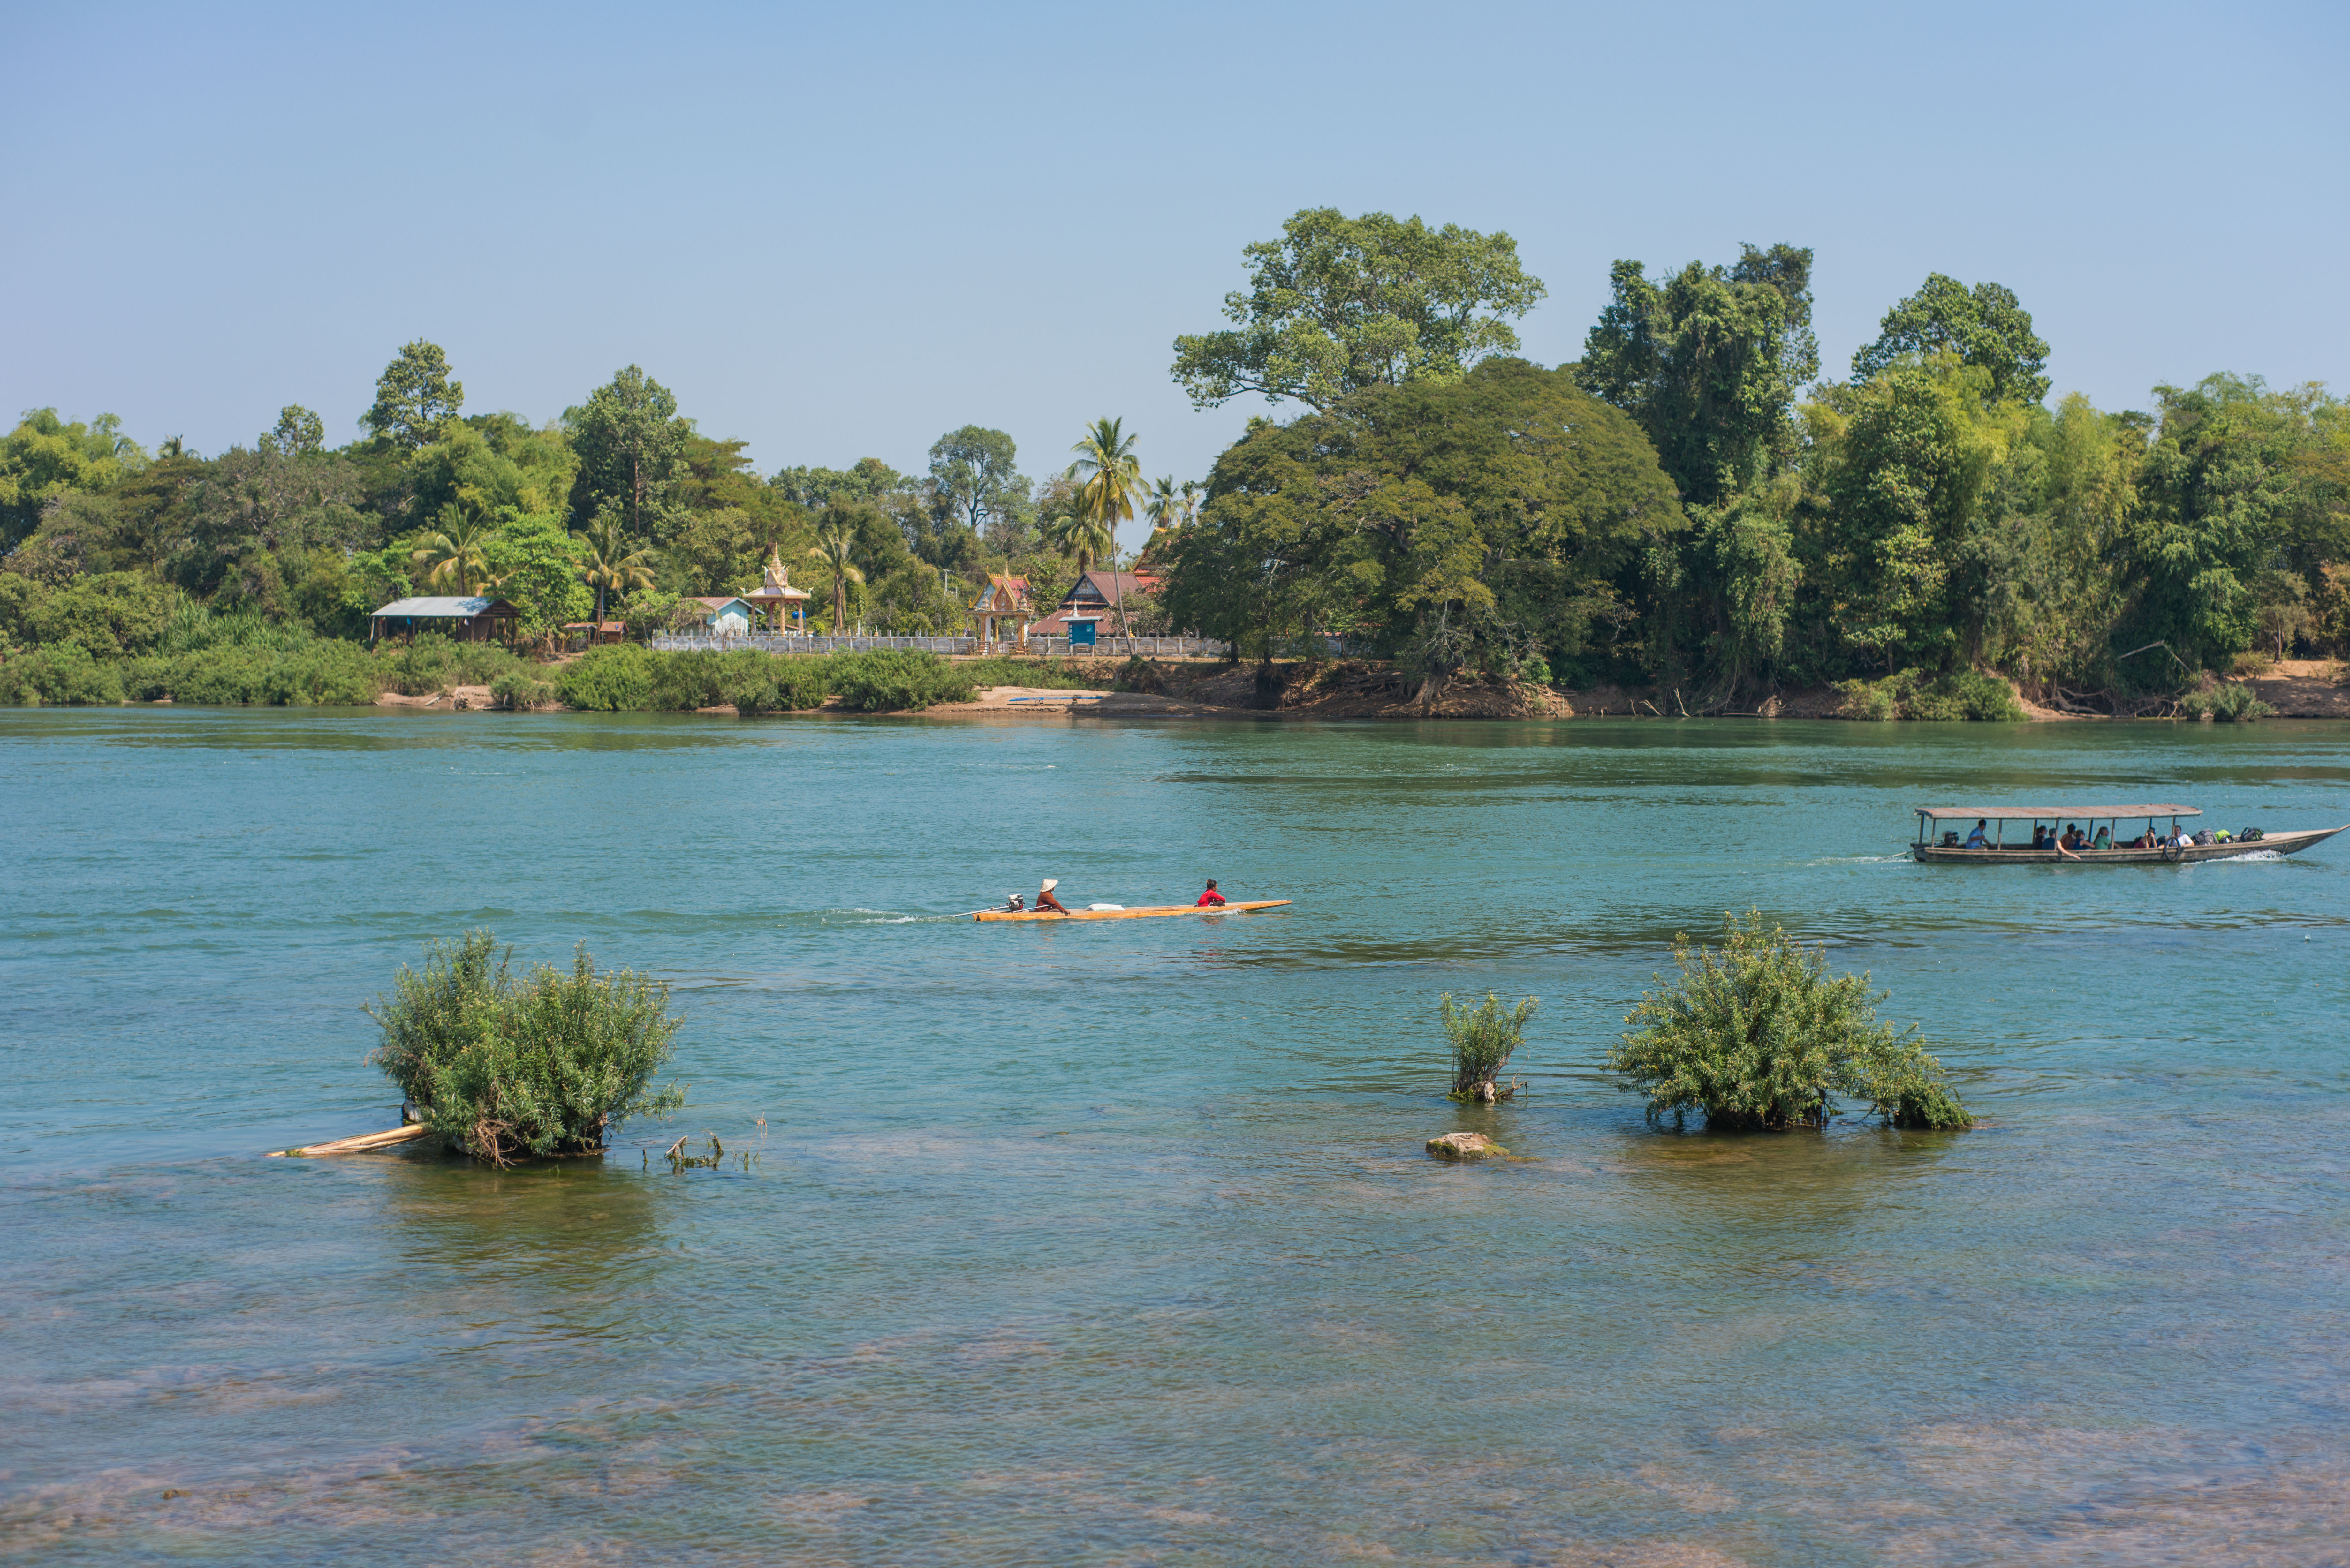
x,y
1483,1038
506,1068
1761,1038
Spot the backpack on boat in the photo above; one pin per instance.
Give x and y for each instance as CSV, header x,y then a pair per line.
x,y
2250,836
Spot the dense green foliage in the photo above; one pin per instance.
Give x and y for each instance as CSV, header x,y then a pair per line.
x,y
1476,523
1687,507
1928,522
1338,304
504,1068
889,680
1759,1037
1483,1038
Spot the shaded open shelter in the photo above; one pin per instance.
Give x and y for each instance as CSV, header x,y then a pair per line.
x,y
783,605
471,620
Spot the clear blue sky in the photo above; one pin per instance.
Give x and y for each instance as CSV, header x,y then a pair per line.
x,y
839,230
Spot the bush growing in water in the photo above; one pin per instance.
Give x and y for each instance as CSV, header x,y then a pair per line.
x,y
1483,1038
518,691
1759,1037
888,678
433,662
504,1068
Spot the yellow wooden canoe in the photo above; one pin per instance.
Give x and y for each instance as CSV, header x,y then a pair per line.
x,y
1148,912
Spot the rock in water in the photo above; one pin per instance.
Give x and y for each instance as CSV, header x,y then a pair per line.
x,y
1463,1145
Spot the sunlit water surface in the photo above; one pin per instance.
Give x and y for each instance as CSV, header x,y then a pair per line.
x,y
1115,1244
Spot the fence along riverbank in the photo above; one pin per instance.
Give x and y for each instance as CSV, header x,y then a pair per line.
x,y
1034,646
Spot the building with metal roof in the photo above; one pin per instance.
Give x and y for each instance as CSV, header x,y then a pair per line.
x,y
468,619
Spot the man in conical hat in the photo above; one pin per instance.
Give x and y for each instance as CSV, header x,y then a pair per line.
x,y
1045,900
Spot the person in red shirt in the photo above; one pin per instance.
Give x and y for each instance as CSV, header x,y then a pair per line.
x,y
1045,900
1210,895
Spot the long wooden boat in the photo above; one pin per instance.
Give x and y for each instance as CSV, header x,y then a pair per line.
x,y
1143,913
1935,844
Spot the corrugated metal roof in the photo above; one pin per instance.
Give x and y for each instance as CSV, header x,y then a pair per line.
x,y
2030,813
461,610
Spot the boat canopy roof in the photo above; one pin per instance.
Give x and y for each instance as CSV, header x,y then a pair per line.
x,y
2034,812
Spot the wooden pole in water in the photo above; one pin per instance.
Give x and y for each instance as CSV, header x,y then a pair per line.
x,y
359,1145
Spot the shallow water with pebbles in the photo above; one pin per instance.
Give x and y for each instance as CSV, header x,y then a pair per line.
x,y
1115,1244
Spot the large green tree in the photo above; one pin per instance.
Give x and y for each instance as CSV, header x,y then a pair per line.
x,y
975,477
630,442
45,457
1985,326
1709,362
1340,304
1481,523
414,397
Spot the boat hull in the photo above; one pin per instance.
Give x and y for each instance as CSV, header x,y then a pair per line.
x,y
1148,912
2271,844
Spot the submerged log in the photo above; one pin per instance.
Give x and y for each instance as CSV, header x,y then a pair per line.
x,y
359,1145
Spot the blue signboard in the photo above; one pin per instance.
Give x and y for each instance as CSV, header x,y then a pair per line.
x,y
1081,634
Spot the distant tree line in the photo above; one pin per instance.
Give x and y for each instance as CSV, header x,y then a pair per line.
x,y
622,505
1690,503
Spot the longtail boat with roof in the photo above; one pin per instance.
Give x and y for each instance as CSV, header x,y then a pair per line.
x,y
2155,844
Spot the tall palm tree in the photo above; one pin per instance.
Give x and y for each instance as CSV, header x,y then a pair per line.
x,y
1169,505
1109,476
833,548
456,550
1076,536
611,563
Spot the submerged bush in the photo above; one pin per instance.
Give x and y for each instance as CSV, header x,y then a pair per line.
x,y
504,1068
889,680
1761,1038
613,679
1483,1038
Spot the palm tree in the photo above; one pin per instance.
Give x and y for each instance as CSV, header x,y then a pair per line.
x,y
833,550
1075,537
456,550
1108,475
1170,505
610,563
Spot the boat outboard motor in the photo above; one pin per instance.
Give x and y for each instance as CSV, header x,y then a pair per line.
x,y
1014,903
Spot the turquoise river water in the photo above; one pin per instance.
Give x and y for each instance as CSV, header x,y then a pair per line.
x,y
1115,1244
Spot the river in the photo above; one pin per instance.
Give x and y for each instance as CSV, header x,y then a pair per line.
x,y
1115,1243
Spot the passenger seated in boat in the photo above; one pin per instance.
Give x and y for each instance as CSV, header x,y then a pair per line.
x,y
2039,837
2143,841
2104,839
2075,838
1045,900
1975,840
1211,897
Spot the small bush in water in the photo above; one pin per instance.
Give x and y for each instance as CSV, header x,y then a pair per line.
x,y
1760,1037
2236,704
1484,1038
545,1065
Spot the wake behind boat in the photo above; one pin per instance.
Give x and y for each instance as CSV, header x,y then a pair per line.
x,y
1149,912
2051,839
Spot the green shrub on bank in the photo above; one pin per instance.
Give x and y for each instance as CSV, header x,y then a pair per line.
x,y
61,675
1949,696
889,680
2236,704
506,1068
1483,1038
1048,674
433,662
777,686
1760,1038
318,673
517,692
613,679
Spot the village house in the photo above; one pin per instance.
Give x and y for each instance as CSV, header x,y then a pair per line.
x,y
722,616
473,619
1089,611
